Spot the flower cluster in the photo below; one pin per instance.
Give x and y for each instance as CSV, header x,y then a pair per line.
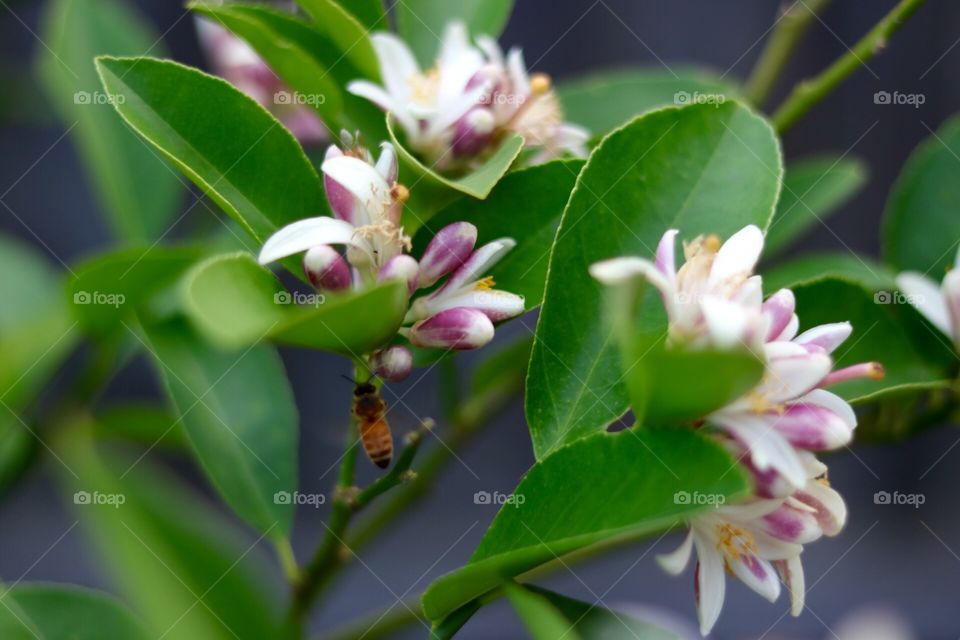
x,y
367,202
940,305
236,62
456,112
715,300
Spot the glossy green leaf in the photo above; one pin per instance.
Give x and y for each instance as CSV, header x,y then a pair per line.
x,y
813,189
58,612
846,265
348,33
623,486
421,22
138,191
885,329
110,287
36,336
185,569
906,410
370,13
526,206
278,38
478,183
922,219
541,619
236,302
240,417
225,142
602,101
701,169
145,424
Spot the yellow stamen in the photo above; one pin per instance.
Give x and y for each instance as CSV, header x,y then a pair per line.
x,y
484,284
423,87
399,193
540,83
712,243
734,542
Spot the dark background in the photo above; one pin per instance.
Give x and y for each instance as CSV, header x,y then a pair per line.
x,y
900,559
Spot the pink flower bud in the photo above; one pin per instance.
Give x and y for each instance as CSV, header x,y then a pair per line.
x,y
472,132
401,267
453,329
326,268
449,249
393,363
342,202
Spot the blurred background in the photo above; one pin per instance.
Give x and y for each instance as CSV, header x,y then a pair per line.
x,y
900,560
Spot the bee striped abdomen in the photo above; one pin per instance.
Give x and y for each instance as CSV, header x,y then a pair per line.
x,y
377,442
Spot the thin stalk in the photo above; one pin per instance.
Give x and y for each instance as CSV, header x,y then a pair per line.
x,y
809,93
789,31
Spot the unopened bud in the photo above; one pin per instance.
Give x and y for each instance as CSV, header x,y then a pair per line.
x,y
393,363
326,269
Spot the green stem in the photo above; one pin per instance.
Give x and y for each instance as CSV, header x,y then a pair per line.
x,y
810,92
789,31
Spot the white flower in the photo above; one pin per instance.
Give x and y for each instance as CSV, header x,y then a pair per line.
x,y
939,304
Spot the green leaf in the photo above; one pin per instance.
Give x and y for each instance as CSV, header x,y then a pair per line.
x,y
421,22
658,381
225,142
813,189
884,329
278,38
138,191
845,265
701,169
602,101
370,13
623,486
351,37
54,612
596,623
540,193
186,570
478,183
36,336
539,616
110,287
239,415
144,424
922,219
236,302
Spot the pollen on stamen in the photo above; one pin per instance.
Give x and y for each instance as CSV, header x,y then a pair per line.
x,y
399,193
540,83
484,284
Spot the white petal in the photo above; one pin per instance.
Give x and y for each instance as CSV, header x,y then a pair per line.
x,y
726,321
518,72
924,294
832,402
491,48
305,234
951,293
385,101
363,181
455,108
757,574
665,257
476,265
676,561
790,377
397,65
826,336
711,585
768,448
738,255
620,270
791,570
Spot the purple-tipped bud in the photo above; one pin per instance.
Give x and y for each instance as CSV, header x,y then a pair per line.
x,y
401,267
453,329
472,132
342,202
449,249
326,268
393,363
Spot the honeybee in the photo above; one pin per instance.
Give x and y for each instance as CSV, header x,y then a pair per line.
x,y
370,411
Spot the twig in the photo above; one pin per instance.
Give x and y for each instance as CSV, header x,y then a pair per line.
x,y
808,93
